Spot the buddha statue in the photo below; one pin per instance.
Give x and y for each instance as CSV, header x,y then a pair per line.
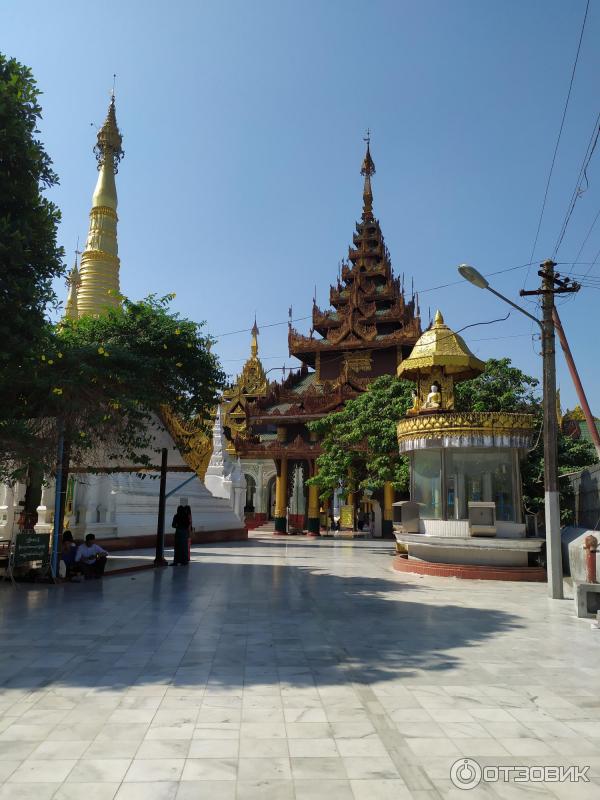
x,y
433,401
414,409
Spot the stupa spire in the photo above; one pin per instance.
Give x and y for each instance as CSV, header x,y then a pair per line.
x,y
254,340
99,289
367,169
73,283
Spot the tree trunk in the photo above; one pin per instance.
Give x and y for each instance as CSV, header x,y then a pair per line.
x,y
33,495
62,500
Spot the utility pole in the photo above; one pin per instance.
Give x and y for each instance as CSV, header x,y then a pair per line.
x,y
585,407
552,284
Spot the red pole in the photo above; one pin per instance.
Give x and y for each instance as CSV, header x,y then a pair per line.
x,y
577,382
590,545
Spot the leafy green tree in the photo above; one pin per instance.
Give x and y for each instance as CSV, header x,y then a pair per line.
x,y
359,444
500,387
29,255
103,381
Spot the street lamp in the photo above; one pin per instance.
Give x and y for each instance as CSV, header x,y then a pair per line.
x,y
551,494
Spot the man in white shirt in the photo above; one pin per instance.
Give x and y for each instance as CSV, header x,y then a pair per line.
x,y
91,557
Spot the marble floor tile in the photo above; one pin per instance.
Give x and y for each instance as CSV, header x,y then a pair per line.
x,y
158,769
28,791
92,770
373,768
313,748
163,790
261,789
380,790
86,791
221,769
206,790
315,768
42,771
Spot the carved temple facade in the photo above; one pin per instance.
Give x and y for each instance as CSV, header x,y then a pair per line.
x,y
369,329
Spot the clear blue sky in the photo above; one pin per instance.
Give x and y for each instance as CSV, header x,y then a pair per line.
x,y
243,128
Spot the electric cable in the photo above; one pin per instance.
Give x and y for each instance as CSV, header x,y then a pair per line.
x,y
560,130
578,191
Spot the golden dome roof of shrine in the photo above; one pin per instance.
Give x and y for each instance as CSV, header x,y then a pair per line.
x,y
439,346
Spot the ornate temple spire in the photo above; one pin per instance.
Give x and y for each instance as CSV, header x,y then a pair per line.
x,y
220,463
99,289
73,282
254,341
367,169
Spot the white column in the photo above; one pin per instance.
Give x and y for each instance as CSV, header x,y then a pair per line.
x,y
7,511
259,496
45,509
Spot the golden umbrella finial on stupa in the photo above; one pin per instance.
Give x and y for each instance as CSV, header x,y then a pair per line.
x,y
109,141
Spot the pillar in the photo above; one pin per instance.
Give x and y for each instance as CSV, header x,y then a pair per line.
x,y
387,528
314,522
281,496
350,502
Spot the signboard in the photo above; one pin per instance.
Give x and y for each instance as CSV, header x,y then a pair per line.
x,y
31,547
347,517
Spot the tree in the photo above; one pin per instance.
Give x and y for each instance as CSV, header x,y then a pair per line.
x,y
500,387
359,444
29,255
361,440
102,381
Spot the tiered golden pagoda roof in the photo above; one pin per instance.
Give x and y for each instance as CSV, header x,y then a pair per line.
x,y
250,384
370,309
370,328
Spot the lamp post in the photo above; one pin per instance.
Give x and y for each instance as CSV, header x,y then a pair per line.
x,y
551,493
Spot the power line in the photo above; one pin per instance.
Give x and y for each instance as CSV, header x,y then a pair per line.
x,y
268,325
560,130
419,292
578,191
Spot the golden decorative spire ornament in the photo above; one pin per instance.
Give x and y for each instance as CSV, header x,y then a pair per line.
x,y
99,288
367,169
73,282
250,384
254,341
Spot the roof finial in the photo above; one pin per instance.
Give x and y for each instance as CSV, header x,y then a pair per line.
x,y
367,169
108,146
254,341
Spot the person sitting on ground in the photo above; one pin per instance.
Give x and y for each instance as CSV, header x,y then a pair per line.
x,y
91,557
67,556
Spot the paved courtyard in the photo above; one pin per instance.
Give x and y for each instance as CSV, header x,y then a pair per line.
x,y
290,668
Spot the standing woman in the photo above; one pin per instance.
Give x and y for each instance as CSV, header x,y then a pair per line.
x,y
181,525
